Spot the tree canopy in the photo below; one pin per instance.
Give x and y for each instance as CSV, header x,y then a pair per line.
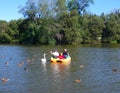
x,y
61,22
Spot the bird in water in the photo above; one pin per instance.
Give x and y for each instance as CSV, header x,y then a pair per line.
x,y
115,69
81,66
4,80
26,69
6,63
21,63
43,60
77,80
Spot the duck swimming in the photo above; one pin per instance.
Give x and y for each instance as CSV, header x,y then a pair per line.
x,y
4,80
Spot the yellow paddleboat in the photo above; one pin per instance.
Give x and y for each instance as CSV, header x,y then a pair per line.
x,y
58,60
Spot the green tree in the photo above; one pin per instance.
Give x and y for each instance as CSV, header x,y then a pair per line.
x,y
24,33
4,32
60,8
14,30
96,26
30,10
84,21
112,31
80,5
71,29
42,9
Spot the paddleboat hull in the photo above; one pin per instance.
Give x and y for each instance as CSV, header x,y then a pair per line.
x,y
57,60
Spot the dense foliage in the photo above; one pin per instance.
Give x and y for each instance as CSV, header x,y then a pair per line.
x,y
61,22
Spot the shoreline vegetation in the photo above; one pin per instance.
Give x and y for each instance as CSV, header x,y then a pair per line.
x,y
63,23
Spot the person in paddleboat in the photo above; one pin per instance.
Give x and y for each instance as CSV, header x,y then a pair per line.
x,y
55,54
65,53
61,56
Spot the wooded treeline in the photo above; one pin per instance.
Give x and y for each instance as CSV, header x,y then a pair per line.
x,y
61,22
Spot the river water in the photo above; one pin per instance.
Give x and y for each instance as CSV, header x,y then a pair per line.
x,y
98,68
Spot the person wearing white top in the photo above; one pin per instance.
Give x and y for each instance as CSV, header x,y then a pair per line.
x,y
55,53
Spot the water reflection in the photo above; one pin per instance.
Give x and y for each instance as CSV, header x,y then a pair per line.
x,y
43,65
97,67
57,67
60,70
61,77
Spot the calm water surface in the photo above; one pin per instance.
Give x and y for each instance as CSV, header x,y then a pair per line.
x,y
92,64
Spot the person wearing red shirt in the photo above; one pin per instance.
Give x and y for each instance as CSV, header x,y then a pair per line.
x,y
61,56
